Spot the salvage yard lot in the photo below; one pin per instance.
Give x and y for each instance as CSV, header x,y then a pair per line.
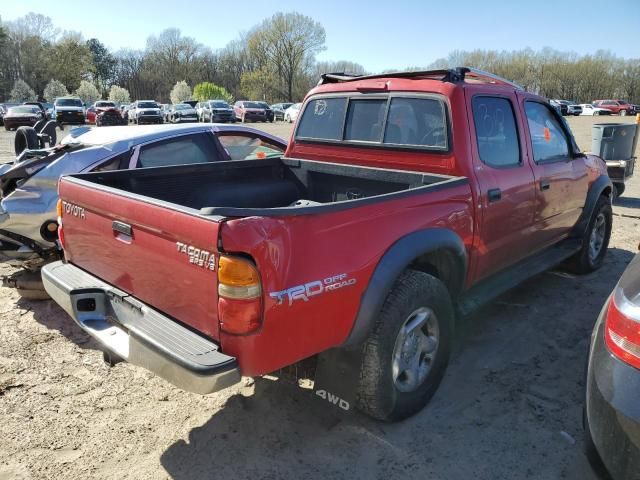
x,y
509,406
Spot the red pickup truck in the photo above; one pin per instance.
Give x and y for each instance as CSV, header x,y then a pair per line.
x,y
402,201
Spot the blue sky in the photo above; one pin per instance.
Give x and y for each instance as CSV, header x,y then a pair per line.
x,y
379,35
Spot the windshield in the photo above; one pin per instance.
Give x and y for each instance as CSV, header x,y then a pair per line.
x,y
219,104
24,110
69,102
252,105
263,104
182,106
147,105
105,104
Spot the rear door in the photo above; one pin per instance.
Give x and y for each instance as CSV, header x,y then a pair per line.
x,y
561,178
162,255
505,179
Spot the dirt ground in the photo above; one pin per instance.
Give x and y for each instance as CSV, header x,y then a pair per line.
x,y
509,406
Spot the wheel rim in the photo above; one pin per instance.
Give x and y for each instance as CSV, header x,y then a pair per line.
x,y
596,241
415,349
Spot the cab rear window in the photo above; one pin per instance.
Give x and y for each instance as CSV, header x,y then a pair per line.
x,y
385,121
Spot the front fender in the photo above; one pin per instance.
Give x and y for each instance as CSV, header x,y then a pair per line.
x,y
598,187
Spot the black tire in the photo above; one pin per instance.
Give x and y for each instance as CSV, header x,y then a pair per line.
x,y
379,394
597,114
26,137
50,130
586,261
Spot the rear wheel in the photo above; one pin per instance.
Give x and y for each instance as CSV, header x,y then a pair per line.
x,y
407,352
596,239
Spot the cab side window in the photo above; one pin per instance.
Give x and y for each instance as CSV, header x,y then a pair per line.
x,y
548,138
496,132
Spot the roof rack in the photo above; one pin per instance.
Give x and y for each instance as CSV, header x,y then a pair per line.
x,y
451,75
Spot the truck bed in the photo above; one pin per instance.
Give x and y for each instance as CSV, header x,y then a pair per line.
x,y
268,187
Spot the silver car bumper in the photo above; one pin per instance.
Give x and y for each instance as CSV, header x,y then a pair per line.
x,y
135,332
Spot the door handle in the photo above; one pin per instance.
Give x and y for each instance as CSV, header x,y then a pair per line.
x,y
494,194
122,231
545,185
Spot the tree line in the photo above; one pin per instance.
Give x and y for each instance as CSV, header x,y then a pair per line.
x,y
274,61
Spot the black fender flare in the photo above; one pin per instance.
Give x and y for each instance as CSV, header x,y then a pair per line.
x,y
393,262
595,192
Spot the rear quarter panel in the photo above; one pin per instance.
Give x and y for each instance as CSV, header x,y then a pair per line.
x,y
293,251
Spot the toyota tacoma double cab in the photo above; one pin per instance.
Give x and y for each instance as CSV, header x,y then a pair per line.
x,y
402,201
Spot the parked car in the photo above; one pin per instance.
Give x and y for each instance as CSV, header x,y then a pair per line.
x,y
40,106
145,111
392,208
165,107
278,110
182,112
216,111
588,109
250,111
48,106
124,112
612,414
29,191
90,114
3,110
69,110
559,104
267,109
107,114
619,107
22,115
291,113
571,108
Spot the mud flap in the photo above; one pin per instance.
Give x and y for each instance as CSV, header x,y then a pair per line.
x,y
337,378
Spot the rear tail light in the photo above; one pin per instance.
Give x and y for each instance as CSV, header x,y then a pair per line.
x,y
59,214
239,295
622,329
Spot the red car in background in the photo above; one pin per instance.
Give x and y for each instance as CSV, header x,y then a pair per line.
x,y
104,113
617,106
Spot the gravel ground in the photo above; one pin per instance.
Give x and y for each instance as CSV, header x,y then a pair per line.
x,y
509,406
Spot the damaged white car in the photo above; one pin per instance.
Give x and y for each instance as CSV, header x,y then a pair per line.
x,y
29,185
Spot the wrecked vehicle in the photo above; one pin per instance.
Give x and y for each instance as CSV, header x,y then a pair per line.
x,y
29,185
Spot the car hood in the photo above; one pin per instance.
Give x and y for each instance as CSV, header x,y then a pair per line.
x,y
69,109
20,115
187,111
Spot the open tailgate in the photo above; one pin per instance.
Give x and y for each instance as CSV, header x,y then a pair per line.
x,y
163,256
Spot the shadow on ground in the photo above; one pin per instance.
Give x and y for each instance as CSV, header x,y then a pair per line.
x,y
509,406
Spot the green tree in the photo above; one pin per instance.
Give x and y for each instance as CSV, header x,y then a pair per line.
x,y
70,61
53,90
103,64
210,91
118,94
180,92
286,44
259,84
88,92
22,92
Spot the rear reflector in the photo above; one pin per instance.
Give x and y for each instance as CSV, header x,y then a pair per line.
x,y
622,329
